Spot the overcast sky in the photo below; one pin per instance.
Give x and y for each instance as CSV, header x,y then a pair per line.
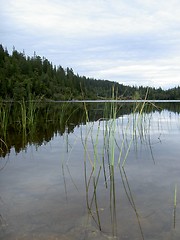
x,y
134,42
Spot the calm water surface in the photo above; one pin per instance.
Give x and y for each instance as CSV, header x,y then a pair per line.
x,y
66,189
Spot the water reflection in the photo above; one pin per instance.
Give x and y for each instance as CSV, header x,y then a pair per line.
x,y
102,167
50,119
75,184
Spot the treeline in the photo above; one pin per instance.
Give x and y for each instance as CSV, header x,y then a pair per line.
x,y
24,77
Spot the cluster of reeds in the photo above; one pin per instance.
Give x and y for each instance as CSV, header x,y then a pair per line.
x,y
3,148
25,112
107,143
35,121
18,116
5,109
175,203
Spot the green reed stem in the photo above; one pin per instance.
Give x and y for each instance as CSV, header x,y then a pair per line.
x,y
113,201
113,129
135,126
175,202
96,204
130,198
95,182
4,117
23,114
95,147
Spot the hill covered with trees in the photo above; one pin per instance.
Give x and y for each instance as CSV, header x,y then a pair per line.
x,y
27,77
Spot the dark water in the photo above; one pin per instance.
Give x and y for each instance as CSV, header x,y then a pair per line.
x,y
62,185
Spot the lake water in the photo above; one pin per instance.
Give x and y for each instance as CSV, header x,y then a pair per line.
x,y
94,177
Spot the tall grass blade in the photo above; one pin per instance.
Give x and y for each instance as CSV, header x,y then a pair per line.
x,y
113,202
130,198
175,203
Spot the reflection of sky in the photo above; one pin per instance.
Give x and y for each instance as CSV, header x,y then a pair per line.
x,y
34,188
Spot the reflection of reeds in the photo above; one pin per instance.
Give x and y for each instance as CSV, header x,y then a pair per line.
x,y
105,134
2,142
5,109
130,197
2,146
65,159
90,200
64,179
29,111
175,202
113,202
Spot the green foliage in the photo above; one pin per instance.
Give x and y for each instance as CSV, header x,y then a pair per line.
x,y
22,76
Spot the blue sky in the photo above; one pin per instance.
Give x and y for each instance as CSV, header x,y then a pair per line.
x,y
131,42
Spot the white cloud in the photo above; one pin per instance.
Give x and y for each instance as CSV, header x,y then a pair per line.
x,y
157,73
99,17
131,41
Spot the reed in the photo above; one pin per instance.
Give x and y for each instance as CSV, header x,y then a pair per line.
x,y
95,147
175,203
110,129
32,110
139,125
107,143
23,120
130,198
113,202
5,110
3,149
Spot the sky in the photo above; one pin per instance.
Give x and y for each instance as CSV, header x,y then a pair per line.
x,y
133,42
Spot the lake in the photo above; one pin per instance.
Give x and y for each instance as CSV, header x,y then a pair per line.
x,y
91,170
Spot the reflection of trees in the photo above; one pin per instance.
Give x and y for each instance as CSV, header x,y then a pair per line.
x,y
170,106
56,118
50,119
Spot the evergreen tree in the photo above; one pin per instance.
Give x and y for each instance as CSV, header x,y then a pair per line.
x,y
21,77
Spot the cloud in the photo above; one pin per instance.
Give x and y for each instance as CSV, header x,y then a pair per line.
x,y
103,17
134,41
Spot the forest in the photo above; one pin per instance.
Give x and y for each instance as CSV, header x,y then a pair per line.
x,y
25,77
